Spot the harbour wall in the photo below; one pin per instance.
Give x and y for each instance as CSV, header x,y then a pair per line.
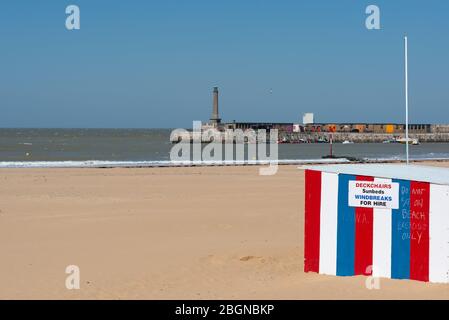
x,y
358,137
319,137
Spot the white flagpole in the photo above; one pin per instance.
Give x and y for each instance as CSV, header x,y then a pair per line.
x,y
406,100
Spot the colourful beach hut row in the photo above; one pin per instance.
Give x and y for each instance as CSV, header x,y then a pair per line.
x,y
383,220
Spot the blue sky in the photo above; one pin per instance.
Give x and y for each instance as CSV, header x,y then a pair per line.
x,y
154,63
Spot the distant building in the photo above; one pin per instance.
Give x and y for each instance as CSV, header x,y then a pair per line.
x,y
296,127
391,128
307,118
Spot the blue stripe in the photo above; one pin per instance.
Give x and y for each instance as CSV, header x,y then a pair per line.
x,y
400,237
345,228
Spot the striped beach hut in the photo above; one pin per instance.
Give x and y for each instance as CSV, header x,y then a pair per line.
x,y
383,220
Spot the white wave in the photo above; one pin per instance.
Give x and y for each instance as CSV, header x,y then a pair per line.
x,y
402,158
167,163
113,164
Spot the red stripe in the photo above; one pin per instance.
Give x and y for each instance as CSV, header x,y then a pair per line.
x,y
419,230
312,220
363,237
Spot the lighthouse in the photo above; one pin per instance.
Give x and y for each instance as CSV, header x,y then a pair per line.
x,y
215,118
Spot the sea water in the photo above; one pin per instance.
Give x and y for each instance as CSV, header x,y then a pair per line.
x,y
151,147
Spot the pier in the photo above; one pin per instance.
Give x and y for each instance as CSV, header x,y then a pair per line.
x,y
311,132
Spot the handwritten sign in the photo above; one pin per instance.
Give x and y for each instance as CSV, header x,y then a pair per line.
x,y
369,194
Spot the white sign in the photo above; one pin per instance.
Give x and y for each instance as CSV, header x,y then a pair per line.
x,y
370,194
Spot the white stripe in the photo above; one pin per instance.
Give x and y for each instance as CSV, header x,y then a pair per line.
x,y
439,234
328,223
382,240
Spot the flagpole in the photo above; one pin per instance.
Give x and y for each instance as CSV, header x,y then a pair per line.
x,y
406,99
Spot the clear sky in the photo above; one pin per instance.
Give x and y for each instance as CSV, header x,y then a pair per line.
x,y
154,63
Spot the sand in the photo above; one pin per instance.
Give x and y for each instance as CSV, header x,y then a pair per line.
x,y
166,233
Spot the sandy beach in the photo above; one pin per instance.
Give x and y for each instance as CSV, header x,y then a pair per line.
x,y
166,233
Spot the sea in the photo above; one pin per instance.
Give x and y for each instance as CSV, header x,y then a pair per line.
x,y
151,147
